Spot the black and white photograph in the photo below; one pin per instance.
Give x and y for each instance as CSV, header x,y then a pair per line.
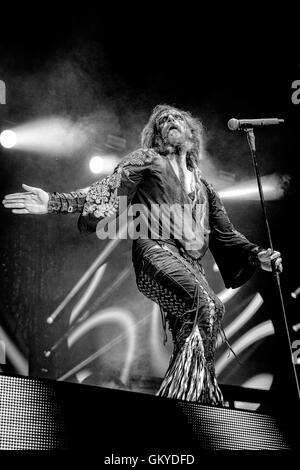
x,y
150,286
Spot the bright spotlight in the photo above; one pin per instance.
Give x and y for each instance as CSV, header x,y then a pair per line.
x,y
96,165
8,139
274,187
103,163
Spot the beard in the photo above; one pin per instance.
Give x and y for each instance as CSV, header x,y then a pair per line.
x,y
175,142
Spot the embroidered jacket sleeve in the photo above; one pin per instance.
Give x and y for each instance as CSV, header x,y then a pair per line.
x,y
103,197
234,254
66,203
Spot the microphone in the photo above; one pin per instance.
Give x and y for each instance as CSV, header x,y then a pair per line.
x,y
296,327
295,293
237,124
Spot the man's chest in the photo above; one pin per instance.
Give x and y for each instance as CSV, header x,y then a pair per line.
x,y
185,176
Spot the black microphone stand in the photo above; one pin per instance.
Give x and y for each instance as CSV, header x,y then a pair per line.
x,y
251,141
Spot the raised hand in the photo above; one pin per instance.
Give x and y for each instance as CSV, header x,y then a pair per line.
x,y
268,257
32,201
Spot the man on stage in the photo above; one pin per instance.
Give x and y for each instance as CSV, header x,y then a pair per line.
x,y
165,172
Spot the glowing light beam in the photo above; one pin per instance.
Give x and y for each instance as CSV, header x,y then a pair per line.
x,y
88,293
253,306
261,331
50,136
259,381
227,294
14,355
274,187
106,316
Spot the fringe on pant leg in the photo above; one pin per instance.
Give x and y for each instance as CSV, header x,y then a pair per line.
x,y
190,375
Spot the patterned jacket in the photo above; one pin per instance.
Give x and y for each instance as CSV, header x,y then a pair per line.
x,y
147,179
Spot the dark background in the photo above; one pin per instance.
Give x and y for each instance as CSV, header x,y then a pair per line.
x,y
111,66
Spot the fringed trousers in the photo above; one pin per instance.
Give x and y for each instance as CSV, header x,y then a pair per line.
x,y
193,313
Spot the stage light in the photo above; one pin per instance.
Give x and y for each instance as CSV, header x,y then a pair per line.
x,y
96,164
103,164
274,187
8,139
63,137
50,136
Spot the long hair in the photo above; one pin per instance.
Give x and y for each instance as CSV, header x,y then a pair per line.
x,y
151,138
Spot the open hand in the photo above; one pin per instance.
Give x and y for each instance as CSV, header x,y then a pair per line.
x,y
269,257
32,201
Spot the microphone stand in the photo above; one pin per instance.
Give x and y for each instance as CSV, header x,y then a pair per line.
x,y
251,141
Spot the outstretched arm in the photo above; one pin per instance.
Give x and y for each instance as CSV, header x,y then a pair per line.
x,y
37,201
93,203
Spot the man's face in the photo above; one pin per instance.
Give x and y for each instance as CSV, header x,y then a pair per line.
x,y
173,127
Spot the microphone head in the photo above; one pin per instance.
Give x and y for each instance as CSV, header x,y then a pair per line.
x,y
233,124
